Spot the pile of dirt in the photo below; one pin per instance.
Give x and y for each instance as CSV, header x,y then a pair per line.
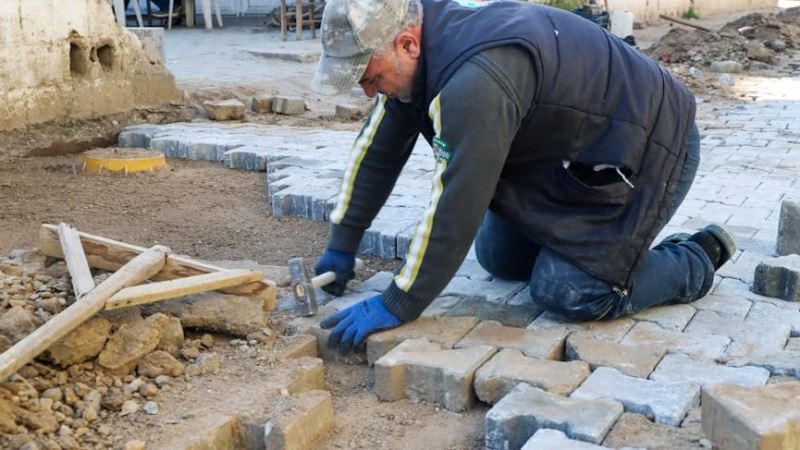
x,y
752,38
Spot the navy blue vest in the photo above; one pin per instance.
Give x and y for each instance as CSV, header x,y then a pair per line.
x,y
598,101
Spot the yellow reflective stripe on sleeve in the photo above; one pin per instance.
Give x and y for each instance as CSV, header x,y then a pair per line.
x,y
360,147
419,243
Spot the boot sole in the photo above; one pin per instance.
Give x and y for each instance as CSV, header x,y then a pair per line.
x,y
727,243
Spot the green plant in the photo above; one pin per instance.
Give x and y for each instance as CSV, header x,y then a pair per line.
x,y
690,14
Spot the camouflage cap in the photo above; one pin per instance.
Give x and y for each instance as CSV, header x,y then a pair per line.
x,y
351,30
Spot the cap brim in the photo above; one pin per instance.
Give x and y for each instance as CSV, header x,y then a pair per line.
x,y
336,75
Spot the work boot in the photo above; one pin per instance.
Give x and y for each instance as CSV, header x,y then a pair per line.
x,y
717,243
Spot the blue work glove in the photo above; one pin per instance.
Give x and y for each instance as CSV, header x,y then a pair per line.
x,y
351,326
342,264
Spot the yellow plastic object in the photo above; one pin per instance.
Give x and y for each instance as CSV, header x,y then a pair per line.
x,y
123,160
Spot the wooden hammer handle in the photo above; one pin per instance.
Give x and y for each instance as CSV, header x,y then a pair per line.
x,y
326,278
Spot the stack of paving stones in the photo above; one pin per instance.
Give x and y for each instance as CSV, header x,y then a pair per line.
x,y
483,340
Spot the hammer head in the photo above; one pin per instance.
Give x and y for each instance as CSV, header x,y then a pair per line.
x,y
304,293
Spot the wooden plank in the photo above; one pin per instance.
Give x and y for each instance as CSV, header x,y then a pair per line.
x,y
685,23
108,254
179,287
140,268
79,272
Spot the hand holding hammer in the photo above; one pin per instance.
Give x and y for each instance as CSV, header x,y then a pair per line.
x,y
303,285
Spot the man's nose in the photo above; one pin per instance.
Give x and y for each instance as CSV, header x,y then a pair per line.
x,y
369,90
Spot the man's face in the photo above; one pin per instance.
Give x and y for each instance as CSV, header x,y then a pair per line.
x,y
392,72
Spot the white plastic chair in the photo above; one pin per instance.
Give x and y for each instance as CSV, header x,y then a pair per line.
x,y
119,11
206,6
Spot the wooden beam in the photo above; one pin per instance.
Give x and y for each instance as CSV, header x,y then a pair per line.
x,y
179,287
140,268
685,23
79,272
108,254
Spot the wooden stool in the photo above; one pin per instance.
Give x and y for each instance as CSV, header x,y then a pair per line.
x,y
299,22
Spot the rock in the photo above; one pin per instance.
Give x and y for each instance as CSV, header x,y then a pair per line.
x,y
207,340
547,344
132,387
129,407
777,45
261,104
726,80
217,312
758,52
150,408
148,390
16,323
172,337
134,444
291,106
726,66
123,316
694,72
54,394
89,414
162,380
94,399
5,343
225,109
82,344
636,361
779,278
208,363
131,343
160,363
113,399
789,228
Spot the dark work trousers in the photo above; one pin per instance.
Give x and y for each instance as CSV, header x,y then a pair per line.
x,y
677,271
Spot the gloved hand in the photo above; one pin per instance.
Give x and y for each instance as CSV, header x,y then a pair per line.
x,y
342,264
352,325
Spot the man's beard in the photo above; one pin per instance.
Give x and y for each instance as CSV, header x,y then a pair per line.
x,y
406,95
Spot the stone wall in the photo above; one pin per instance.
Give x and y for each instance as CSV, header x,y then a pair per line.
x,y
65,60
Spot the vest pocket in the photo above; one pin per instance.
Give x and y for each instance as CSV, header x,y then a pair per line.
x,y
584,186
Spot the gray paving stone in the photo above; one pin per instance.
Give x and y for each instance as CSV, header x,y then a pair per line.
x,y
680,368
545,344
695,345
472,269
609,330
248,157
288,105
377,282
636,361
770,335
261,104
522,297
779,278
775,315
734,307
666,403
516,316
515,418
793,345
545,439
673,317
439,307
137,136
777,362
496,291
509,367
789,229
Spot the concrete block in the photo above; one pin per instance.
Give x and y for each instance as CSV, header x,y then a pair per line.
x,y
545,439
511,315
515,418
293,422
297,375
636,361
789,228
680,368
214,311
779,278
777,362
249,157
608,330
666,403
672,317
349,112
298,346
422,370
290,106
695,345
310,325
764,418
378,282
546,344
510,367
496,291
231,109
439,307
445,331
765,335
261,104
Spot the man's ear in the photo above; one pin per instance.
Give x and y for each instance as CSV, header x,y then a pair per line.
x,y
408,43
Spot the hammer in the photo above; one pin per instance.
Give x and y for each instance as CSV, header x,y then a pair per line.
x,y
304,286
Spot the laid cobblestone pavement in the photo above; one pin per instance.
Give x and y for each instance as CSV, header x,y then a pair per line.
x,y
750,164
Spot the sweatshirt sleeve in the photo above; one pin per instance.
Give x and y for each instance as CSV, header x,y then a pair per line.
x,y
376,159
475,118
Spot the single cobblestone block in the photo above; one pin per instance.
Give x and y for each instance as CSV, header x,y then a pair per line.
x,y
378,282
545,439
697,346
439,307
290,106
297,375
765,334
423,370
231,109
680,368
310,325
494,291
249,157
730,305
261,104
672,317
298,346
789,228
777,313
473,270
666,403
763,418
510,367
515,418
445,331
608,330
636,361
137,136
349,112
515,316
293,422
779,278
546,344
777,362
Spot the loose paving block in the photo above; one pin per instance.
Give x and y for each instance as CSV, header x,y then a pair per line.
x,y
769,335
261,104
515,418
439,307
547,344
779,278
290,106
231,109
697,346
422,370
349,112
666,403
297,375
292,423
512,315
310,325
298,346
545,439
508,368
777,362
763,418
445,331
636,361
672,317
680,368
789,228
609,330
